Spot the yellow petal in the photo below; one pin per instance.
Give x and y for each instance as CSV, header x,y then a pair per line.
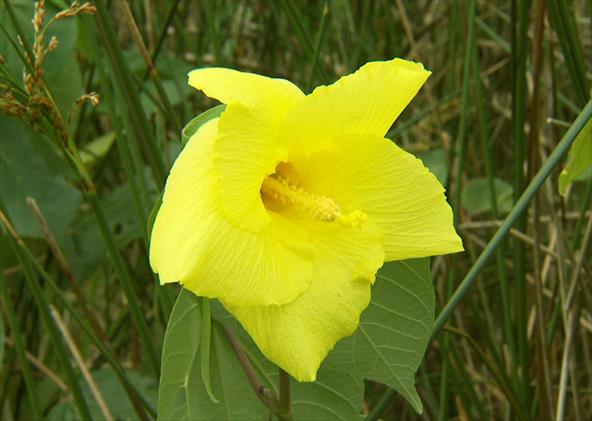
x,y
367,101
395,190
245,151
244,154
194,244
252,90
297,336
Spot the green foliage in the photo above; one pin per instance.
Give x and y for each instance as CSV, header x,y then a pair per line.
x,y
97,149
476,197
84,247
26,173
437,163
579,159
199,121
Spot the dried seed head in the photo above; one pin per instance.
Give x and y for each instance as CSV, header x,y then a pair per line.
x,y
53,44
94,98
12,109
29,82
74,10
10,106
38,101
88,8
39,16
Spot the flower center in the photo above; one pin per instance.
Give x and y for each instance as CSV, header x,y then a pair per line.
x,y
279,194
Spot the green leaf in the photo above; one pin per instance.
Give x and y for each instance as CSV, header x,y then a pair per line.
x,y
26,173
437,163
579,158
46,394
182,395
390,342
476,197
333,396
179,354
154,212
94,151
199,121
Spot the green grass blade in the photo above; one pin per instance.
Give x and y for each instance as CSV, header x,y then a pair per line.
x,y
303,34
567,33
520,10
318,43
19,347
461,142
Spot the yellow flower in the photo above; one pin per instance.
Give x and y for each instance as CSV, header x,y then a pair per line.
x,y
286,206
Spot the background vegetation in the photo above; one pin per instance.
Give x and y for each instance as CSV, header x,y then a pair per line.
x,y
90,133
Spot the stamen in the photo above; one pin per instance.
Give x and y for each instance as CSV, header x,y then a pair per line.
x,y
286,194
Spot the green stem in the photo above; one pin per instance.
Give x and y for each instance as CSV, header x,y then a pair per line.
x,y
462,129
284,412
566,30
519,43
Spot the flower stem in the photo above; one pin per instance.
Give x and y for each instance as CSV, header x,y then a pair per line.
x,y
259,388
284,412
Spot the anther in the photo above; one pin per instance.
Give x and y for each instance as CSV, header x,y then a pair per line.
x,y
289,195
